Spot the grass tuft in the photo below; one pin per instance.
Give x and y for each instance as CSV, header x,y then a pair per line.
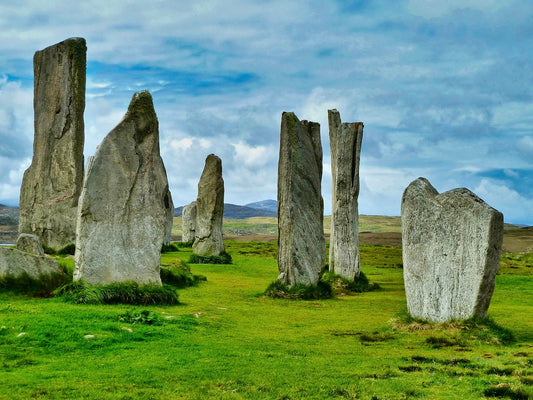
x,y
223,258
505,391
279,290
184,245
169,248
25,284
144,317
179,274
80,292
341,285
68,250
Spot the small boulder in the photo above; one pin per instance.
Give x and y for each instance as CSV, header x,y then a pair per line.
x,y
30,244
14,263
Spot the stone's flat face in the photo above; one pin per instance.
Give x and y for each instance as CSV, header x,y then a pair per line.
x,y
14,263
345,143
451,252
188,222
52,184
210,209
301,242
169,206
30,244
123,210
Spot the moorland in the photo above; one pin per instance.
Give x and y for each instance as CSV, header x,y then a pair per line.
x,y
227,340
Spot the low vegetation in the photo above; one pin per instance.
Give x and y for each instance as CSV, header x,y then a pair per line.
x,y
223,258
227,340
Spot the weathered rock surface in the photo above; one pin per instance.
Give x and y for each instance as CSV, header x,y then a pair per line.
x,y
122,213
52,184
345,142
451,252
301,242
15,263
210,209
30,244
188,222
169,205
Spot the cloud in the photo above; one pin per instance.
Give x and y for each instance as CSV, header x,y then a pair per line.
x,y
441,86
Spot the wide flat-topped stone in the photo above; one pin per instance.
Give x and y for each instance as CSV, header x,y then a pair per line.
x,y
301,242
14,263
52,184
451,252
123,211
345,143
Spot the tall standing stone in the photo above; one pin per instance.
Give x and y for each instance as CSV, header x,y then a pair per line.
x,y
301,242
451,252
122,213
345,142
210,209
52,184
188,222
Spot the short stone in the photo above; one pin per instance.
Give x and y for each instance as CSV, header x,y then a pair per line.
x,y
451,252
210,209
188,222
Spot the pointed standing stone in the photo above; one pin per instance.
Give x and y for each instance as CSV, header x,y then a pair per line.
x,y
345,142
451,252
123,208
188,222
52,184
30,244
301,242
210,209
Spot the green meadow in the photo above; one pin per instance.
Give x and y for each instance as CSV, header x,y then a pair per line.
x,y
226,340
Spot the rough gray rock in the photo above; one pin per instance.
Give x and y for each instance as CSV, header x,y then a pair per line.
x,y
30,244
345,142
451,252
52,184
301,242
210,209
15,263
188,222
122,213
169,205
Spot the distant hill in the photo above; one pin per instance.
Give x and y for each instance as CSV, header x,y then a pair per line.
x,y
9,215
269,205
232,211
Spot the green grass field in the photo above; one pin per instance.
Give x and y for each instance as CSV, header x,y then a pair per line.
x,y
228,341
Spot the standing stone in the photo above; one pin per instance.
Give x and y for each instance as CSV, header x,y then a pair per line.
x,y
30,244
210,209
188,222
169,206
52,184
301,242
451,252
123,205
345,142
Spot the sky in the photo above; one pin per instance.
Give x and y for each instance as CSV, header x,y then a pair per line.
x,y
444,89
